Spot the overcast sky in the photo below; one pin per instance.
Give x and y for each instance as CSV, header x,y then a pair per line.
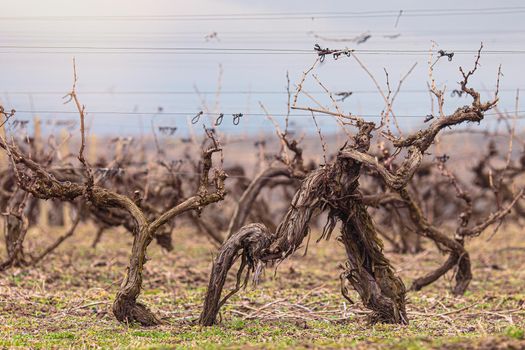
x,y
35,78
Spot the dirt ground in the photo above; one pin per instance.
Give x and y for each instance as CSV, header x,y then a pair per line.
x,y
65,301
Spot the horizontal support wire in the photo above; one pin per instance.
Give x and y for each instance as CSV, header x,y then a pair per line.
x,y
191,114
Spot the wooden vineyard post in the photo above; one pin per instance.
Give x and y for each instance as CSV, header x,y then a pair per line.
x,y
119,147
37,123
92,149
64,152
43,213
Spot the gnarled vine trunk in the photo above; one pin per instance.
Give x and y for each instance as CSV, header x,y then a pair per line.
x,y
14,232
332,188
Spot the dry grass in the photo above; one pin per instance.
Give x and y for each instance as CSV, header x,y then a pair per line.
x,y
65,302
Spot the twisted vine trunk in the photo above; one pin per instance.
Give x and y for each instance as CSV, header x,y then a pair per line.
x,y
39,182
254,238
15,231
333,188
368,270
257,245
126,308
14,227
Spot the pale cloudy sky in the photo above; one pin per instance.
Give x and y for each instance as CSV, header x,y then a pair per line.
x,y
35,78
